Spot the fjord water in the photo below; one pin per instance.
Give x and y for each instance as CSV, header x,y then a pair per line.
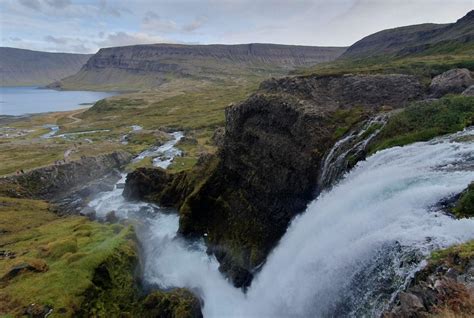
x,y
346,255
29,100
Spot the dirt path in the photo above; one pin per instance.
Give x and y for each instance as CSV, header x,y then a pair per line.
x,y
75,119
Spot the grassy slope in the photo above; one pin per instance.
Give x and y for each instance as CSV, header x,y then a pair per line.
x,y
424,66
424,121
66,252
198,110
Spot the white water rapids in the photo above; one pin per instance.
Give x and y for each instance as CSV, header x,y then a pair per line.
x,y
346,255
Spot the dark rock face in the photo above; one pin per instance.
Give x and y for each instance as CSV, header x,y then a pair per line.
x,y
268,165
350,90
58,181
144,181
453,81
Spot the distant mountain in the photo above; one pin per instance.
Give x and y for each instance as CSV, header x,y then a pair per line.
x,y
417,39
24,67
149,66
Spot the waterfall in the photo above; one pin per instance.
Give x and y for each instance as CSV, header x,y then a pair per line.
x,y
348,150
347,255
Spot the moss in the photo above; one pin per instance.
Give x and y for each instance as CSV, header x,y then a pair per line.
x,y
60,247
465,205
424,121
31,232
455,256
177,303
75,274
345,119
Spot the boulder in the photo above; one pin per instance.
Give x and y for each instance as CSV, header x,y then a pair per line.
x,y
454,81
410,303
145,181
469,91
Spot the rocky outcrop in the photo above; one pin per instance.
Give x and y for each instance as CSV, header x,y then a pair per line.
x,y
266,171
469,91
58,181
445,287
454,81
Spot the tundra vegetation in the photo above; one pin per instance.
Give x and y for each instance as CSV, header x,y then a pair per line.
x,y
81,267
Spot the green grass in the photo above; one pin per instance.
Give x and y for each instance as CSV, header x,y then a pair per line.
x,y
463,251
70,249
423,66
424,121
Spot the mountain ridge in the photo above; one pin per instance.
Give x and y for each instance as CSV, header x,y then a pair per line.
x,y
415,39
22,67
151,65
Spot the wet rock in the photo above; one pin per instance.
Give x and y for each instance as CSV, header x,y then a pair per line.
x,y
469,91
111,217
38,311
453,81
443,288
144,182
178,302
410,303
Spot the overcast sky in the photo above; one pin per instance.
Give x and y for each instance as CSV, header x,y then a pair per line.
x,y
84,26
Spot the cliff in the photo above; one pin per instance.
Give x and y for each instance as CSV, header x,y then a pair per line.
x,y
267,169
20,67
58,181
147,66
417,39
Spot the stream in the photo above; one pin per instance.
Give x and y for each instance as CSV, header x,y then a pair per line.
x,y
348,254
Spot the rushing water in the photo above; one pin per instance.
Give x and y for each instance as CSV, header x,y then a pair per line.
x,y
163,155
347,255
28,100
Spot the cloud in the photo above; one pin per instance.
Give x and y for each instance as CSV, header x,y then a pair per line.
x,y
113,10
153,22
196,24
59,4
32,4
56,40
124,38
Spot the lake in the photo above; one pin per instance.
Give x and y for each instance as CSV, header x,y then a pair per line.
x,y
29,100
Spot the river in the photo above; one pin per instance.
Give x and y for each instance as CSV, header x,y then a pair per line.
x,y
348,254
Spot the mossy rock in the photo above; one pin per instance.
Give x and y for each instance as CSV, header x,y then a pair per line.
x,y
177,303
465,205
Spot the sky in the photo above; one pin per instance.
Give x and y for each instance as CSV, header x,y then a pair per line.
x,y
84,26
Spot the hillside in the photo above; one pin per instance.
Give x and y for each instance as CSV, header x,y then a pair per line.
x,y
417,39
20,67
149,66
